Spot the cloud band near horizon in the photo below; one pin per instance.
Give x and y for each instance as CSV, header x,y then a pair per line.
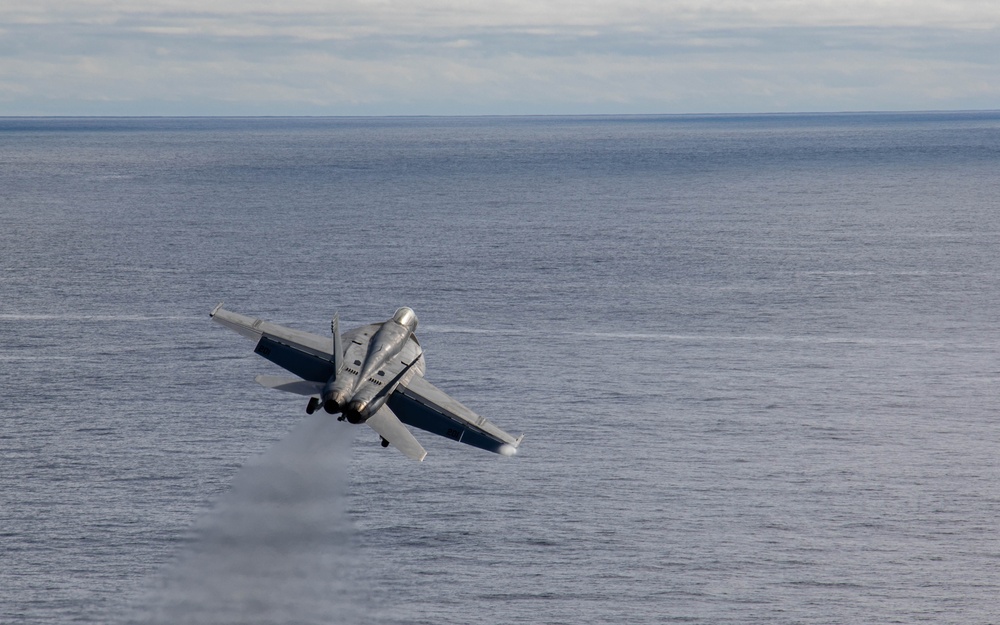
x,y
176,58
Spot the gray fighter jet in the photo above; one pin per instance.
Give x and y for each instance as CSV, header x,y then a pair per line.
x,y
373,375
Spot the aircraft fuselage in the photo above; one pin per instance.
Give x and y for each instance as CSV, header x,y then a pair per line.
x,y
362,386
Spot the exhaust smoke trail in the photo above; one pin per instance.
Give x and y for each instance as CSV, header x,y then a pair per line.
x,y
276,548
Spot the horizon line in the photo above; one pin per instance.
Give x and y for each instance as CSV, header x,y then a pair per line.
x,y
521,115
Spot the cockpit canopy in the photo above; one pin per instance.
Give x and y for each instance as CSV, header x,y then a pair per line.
x,y
406,317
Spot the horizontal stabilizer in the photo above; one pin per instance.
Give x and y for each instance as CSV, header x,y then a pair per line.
x,y
290,385
392,429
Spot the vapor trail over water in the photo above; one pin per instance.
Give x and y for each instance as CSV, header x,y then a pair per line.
x,y
277,547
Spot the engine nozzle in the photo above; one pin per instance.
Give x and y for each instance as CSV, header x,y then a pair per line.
x,y
334,402
355,411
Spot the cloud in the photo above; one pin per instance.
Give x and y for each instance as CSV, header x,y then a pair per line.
x,y
509,56
425,16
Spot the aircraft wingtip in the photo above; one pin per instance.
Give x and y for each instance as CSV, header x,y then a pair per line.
x,y
217,308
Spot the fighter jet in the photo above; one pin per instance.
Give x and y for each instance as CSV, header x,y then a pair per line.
x,y
372,375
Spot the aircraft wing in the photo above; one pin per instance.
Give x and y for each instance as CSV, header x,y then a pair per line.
x,y
421,404
307,355
290,385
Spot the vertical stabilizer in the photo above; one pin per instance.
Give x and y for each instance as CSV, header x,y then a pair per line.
x,y
338,347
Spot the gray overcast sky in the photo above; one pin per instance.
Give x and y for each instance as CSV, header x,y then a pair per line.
x,y
445,57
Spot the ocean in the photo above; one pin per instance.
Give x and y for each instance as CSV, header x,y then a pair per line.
x,y
755,360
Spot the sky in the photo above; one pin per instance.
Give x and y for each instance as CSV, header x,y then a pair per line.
x,y
502,57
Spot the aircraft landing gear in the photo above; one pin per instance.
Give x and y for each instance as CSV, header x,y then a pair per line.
x,y
385,443
312,405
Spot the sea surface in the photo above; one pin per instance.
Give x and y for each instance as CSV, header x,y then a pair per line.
x,y
756,360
